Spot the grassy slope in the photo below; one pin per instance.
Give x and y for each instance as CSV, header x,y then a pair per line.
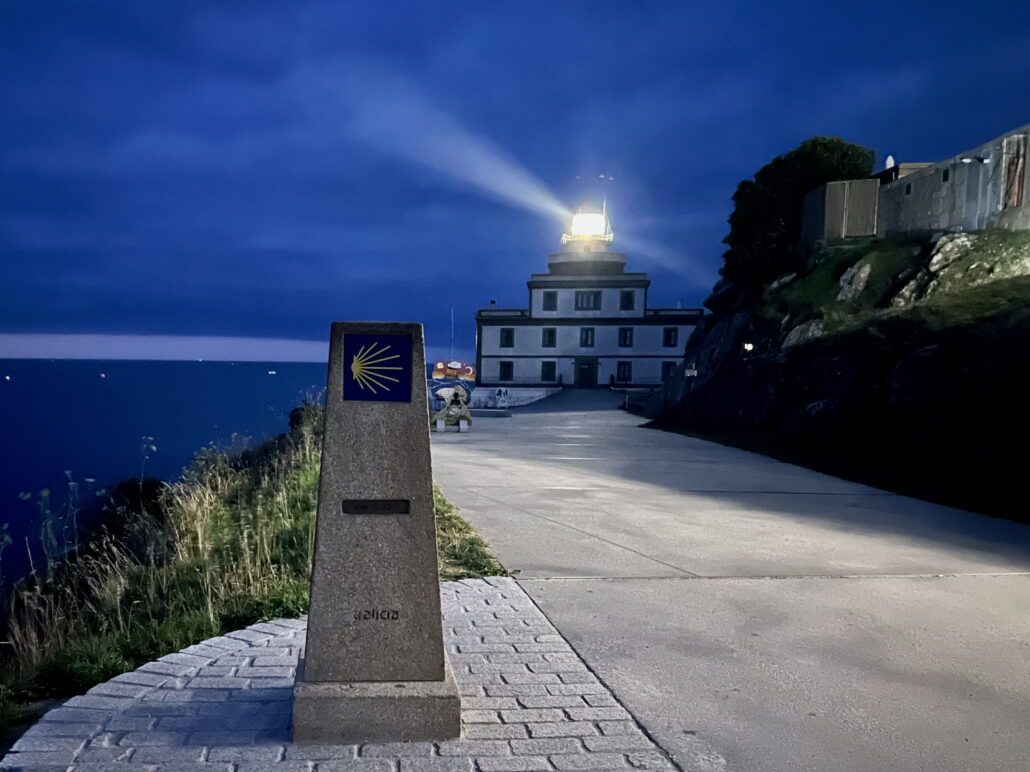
x,y
813,294
232,547
999,303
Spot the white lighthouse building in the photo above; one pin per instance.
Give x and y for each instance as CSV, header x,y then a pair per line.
x,y
588,323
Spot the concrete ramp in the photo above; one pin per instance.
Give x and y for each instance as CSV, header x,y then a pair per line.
x,y
755,615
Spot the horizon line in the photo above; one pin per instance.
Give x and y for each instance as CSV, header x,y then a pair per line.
x,y
173,348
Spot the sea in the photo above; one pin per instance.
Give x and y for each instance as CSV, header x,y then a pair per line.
x,y
82,425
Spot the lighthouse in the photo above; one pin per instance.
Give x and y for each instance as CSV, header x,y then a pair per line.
x,y
588,323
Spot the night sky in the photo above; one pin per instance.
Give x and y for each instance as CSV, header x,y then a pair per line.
x,y
259,169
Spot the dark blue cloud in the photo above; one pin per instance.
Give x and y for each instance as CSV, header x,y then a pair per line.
x,y
199,167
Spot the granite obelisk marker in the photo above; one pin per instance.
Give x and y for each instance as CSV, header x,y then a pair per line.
x,y
374,666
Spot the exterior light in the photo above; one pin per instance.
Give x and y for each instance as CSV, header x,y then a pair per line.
x,y
749,346
589,224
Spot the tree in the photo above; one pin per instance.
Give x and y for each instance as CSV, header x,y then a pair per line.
x,y
766,218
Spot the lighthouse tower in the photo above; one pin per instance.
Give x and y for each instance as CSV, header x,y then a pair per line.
x,y
587,324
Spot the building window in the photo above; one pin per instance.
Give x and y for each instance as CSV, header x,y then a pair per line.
x,y
588,300
668,370
586,337
507,371
548,337
624,372
550,300
945,175
625,337
507,337
627,300
670,336
908,188
547,371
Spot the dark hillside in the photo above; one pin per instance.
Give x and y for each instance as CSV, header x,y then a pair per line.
x,y
895,362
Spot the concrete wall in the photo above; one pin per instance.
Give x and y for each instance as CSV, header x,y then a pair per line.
x,y
925,201
510,396
988,186
966,192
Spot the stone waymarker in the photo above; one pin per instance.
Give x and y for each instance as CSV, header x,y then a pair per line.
x,y
374,666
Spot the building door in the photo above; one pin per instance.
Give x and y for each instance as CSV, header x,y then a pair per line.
x,y
586,372
1015,171
972,218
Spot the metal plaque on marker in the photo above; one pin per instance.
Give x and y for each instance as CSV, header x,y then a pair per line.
x,y
376,507
377,367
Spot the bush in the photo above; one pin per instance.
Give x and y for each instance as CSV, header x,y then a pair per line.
x,y
766,219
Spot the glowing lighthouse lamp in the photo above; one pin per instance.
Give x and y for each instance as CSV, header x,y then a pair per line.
x,y
589,225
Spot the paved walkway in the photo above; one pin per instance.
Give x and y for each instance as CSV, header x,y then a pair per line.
x,y
754,615
529,703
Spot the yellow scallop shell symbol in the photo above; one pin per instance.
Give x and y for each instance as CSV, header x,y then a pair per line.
x,y
368,368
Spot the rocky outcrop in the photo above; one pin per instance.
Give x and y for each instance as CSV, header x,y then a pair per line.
x,y
784,315
853,281
783,281
979,267
804,333
894,404
850,367
950,248
912,290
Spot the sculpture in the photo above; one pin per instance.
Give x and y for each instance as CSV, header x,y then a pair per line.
x,y
455,411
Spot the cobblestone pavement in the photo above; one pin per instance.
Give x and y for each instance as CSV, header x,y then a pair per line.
x,y
528,703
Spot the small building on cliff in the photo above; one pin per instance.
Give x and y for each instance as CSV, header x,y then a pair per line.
x,y
979,188
588,323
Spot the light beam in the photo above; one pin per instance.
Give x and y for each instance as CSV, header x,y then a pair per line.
x,y
391,116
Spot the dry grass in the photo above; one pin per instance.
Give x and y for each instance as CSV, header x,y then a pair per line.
x,y
232,545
